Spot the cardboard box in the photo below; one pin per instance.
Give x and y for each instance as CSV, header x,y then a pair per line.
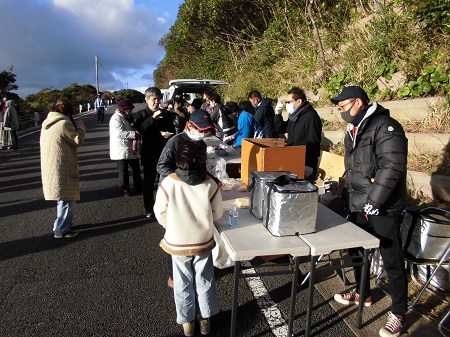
x,y
270,154
331,166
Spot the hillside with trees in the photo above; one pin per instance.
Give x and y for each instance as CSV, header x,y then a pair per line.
x,y
43,100
271,45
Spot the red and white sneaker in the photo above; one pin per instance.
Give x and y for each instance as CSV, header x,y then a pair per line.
x,y
393,327
351,297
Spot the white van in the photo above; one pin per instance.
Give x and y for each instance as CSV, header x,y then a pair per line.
x,y
192,88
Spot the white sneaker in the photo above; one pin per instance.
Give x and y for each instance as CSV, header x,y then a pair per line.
x,y
393,327
69,234
351,297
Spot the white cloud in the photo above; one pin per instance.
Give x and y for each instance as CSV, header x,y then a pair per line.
x,y
54,42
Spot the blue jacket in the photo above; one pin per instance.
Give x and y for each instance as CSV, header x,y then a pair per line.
x,y
246,128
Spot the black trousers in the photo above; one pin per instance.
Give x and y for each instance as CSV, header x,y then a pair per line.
x,y
387,229
124,180
170,266
149,182
14,139
100,114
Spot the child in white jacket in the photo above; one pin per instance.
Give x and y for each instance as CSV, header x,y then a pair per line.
x,y
187,203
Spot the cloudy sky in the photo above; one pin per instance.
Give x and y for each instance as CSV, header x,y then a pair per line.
x,y
53,43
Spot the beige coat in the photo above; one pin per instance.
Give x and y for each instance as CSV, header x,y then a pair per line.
x,y
59,157
11,119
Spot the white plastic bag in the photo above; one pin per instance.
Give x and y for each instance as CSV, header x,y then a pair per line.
x,y
218,168
221,259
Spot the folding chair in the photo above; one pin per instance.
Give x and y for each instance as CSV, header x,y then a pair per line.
x,y
441,325
437,263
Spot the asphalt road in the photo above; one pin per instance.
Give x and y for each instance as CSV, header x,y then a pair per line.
x,y
111,279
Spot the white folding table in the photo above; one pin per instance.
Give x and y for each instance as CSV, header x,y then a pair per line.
x,y
234,157
251,239
333,232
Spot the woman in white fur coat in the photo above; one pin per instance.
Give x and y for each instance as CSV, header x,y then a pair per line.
x,y
60,139
123,146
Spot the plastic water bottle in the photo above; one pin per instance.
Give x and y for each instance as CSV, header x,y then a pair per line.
x,y
233,217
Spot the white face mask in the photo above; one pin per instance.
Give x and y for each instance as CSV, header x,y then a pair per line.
x,y
196,136
290,107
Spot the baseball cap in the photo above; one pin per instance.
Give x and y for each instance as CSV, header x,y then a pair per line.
x,y
201,120
352,91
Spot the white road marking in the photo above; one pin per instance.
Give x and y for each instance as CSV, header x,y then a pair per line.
x,y
268,307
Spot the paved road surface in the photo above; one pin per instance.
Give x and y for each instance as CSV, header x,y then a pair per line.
x,y
111,279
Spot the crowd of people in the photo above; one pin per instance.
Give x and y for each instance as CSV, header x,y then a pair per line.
x,y
167,140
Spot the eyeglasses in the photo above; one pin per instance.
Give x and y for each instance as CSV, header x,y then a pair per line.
x,y
341,108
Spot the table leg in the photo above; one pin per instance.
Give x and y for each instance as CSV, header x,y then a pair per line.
x,y
312,276
293,295
362,289
237,271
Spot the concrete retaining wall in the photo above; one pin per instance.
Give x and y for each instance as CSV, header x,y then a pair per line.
x,y
417,142
402,110
435,186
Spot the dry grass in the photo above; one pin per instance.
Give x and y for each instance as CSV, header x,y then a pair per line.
x,y
437,120
431,162
334,126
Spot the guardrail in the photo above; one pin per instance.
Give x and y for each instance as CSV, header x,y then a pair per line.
x,y
30,120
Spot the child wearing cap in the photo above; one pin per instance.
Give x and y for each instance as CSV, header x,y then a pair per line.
x,y
190,242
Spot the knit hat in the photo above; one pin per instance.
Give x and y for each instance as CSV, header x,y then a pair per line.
x,y
125,104
201,120
352,91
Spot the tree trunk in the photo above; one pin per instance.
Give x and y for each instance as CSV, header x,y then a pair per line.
x,y
319,41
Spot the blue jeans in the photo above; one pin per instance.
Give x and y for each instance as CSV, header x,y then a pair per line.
x,y
194,287
64,216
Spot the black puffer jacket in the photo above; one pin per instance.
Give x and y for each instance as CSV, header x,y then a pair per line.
x,y
375,162
167,161
264,114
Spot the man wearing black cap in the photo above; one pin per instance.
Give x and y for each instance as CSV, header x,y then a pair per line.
x,y
375,182
155,126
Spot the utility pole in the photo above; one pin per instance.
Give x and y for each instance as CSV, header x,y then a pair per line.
x,y
96,73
